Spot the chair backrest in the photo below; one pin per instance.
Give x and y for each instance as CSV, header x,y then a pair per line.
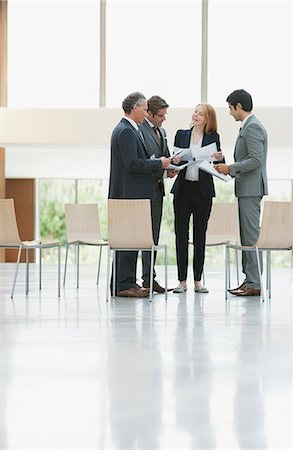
x,y
276,229
82,222
223,224
130,223
9,235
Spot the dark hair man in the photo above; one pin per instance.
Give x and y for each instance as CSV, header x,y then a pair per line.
x,y
249,171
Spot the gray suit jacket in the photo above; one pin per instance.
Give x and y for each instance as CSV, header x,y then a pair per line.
x,y
250,158
153,148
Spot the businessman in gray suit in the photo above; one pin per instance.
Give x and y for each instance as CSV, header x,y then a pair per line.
x,y
156,144
249,171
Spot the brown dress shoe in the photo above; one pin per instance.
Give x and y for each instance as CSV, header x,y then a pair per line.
x,y
242,286
157,288
246,291
134,292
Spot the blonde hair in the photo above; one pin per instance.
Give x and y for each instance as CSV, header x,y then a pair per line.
x,y
211,118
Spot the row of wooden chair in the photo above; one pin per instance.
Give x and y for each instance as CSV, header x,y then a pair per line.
x,y
130,228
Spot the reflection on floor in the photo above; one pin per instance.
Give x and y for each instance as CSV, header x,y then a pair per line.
x,y
192,372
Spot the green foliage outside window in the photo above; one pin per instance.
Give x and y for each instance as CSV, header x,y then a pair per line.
x,y
54,194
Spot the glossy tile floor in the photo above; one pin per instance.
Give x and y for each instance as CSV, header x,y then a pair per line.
x,y
192,372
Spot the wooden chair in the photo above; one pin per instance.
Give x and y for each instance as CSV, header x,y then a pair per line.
x,y
276,233
9,238
82,228
223,228
129,229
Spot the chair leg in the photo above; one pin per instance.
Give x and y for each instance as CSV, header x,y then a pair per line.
x,y
40,269
99,265
16,271
166,273
26,272
269,275
77,267
237,266
108,274
227,257
262,290
59,269
151,272
114,274
229,269
65,265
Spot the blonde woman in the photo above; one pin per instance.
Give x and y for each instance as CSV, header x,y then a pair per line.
x,y
193,193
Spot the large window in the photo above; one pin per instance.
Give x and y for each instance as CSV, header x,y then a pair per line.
x,y
53,54
251,47
154,47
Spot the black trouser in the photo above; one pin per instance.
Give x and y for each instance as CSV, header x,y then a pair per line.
x,y
189,202
125,271
156,209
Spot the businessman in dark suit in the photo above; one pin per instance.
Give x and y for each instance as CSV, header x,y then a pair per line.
x,y
251,184
156,144
131,172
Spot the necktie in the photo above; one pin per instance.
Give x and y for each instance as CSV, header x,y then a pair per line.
x,y
141,135
157,135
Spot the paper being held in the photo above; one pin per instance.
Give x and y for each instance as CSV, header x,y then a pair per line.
x,y
206,153
209,168
173,166
184,153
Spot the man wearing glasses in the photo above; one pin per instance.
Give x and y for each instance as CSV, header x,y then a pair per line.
x,y
157,146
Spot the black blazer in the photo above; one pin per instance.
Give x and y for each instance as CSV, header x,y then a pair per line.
x,y
206,183
130,168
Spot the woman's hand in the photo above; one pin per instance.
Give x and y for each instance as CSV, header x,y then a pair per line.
x,y
176,159
218,156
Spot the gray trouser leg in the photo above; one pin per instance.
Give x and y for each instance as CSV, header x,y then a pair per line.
x,y
249,222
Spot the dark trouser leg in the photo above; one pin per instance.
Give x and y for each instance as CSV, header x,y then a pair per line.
x,y
156,208
201,213
182,211
125,271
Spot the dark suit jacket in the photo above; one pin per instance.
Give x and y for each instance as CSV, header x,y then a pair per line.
x,y
206,183
131,169
153,148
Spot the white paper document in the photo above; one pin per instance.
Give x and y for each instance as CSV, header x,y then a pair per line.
x,y
184,153
209,168
173,166
201,154
205,153
178,168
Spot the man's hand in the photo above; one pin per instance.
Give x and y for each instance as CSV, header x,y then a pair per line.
x,y
222,168
176,159
165,162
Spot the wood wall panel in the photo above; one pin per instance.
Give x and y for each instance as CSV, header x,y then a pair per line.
x,y
23,193
2,190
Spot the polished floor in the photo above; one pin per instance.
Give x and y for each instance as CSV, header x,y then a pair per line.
x,y
192,372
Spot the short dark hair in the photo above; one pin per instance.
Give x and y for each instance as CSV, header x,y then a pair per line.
x,y
155,103
240,96
135,98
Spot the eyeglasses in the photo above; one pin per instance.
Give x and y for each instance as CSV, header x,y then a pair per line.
x,y
160,115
